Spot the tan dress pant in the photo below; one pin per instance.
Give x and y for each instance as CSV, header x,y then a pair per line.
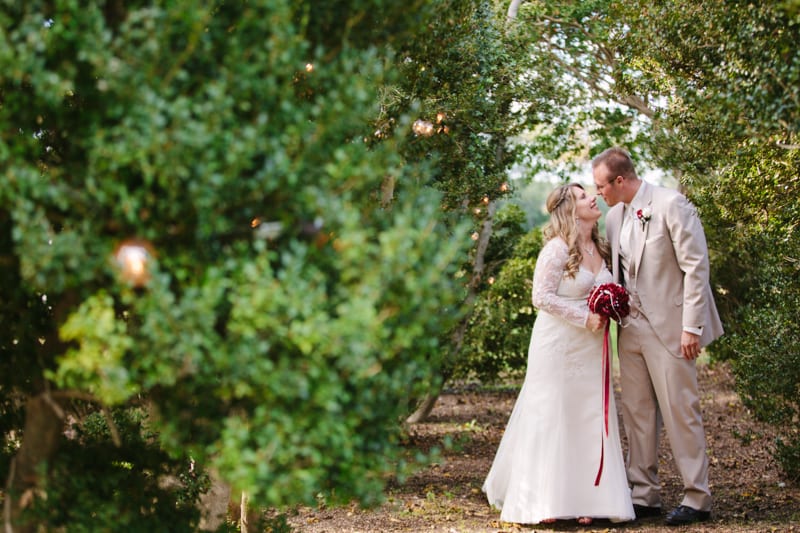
x,y
660,389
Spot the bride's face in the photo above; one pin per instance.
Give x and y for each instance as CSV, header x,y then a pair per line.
x,y
585,205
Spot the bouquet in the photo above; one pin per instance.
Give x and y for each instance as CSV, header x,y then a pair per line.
x,y
610,300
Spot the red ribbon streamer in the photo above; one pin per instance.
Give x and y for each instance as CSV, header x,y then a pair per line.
x,y
606,390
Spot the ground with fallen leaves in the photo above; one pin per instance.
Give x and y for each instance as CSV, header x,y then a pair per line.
x,y
749,492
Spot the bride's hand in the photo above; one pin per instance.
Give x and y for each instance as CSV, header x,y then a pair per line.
x,y
595,322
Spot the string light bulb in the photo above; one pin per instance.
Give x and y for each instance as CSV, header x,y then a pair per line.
x,y
422,127
134,258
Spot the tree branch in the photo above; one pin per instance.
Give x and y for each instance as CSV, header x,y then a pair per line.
x,y
513,9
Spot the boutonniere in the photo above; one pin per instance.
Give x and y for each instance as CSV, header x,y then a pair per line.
x,y
644,216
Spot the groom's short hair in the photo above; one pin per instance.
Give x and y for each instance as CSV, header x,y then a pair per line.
x,y
617,161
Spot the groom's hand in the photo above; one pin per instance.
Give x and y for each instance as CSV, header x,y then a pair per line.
x,y
690,345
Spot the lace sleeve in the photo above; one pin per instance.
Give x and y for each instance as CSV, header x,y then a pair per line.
x,y
547,277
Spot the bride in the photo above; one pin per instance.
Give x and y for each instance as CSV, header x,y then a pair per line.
x,y
554,460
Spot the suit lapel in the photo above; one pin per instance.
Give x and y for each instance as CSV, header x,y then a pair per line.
x,y
640,231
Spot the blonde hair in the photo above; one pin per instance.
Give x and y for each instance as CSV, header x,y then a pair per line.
x,y
561,206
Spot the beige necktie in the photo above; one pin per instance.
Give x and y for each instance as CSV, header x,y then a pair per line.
x,y
627,245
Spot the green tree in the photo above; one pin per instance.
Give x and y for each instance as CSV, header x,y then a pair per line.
x,y
194,251
708,92
729,73
499,330
459,78
571,90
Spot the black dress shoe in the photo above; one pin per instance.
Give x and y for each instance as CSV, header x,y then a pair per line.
x,y
682,515
643,511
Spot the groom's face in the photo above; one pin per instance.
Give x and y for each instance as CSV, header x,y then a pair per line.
x,y
607,184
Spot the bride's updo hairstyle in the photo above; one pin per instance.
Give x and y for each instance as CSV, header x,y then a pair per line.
x,y
561,206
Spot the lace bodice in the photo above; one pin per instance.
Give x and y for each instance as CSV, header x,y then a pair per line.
x,y
558,294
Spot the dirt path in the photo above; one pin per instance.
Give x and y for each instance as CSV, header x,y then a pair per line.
x,y
749,493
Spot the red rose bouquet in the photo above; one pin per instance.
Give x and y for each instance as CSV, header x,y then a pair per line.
x,y
610,300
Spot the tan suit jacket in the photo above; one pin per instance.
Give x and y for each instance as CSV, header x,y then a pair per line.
x,y
670,265
669,271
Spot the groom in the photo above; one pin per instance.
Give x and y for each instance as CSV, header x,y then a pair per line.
x,y
658,251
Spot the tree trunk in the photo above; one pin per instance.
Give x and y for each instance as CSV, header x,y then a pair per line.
x,y
387,191
424,409
429,401
426,406
513,8
44,422
244,519
214,503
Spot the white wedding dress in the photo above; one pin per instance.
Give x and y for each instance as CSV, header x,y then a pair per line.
x,y
549,456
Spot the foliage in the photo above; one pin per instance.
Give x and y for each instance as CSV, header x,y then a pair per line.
x,y
500,327
287,316
571,92
731,72
509,229
764,346
135,486
459,78
707,91
531,198
761,299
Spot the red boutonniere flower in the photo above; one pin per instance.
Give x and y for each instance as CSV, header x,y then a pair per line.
x,y
644,216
